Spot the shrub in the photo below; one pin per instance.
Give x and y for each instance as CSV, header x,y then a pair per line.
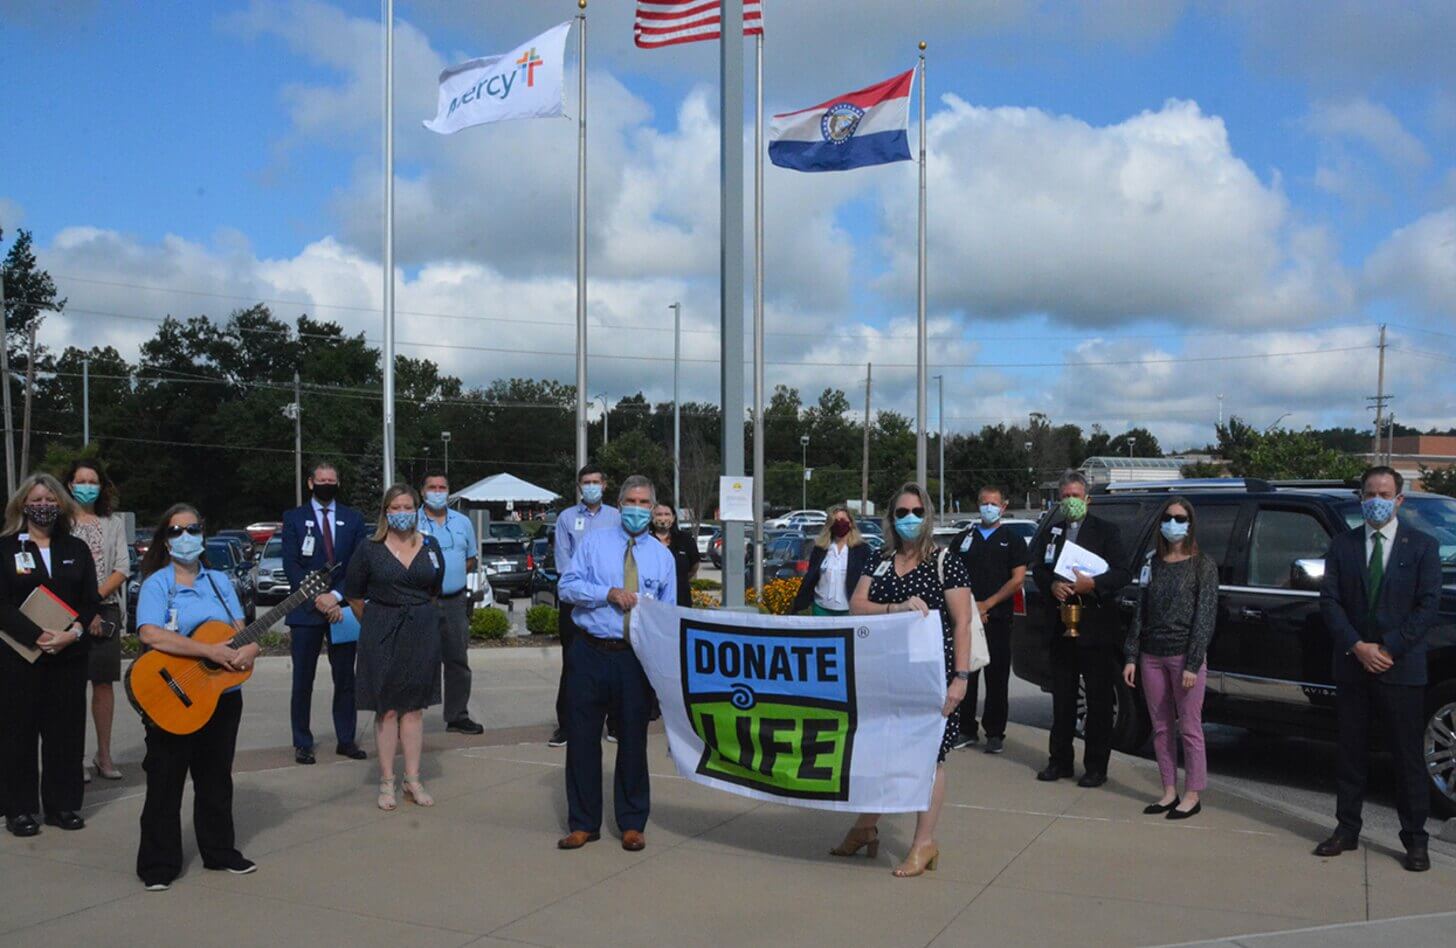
x,y
271,640
778,596
706,585
705,600
489,623
541,620
131,645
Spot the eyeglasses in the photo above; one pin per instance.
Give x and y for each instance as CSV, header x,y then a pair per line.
x,y
907,511
1175,518
176,530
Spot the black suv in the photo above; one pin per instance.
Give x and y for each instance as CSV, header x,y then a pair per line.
x,y
1269,664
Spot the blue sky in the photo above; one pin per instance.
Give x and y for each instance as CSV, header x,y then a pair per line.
x,y
1115,187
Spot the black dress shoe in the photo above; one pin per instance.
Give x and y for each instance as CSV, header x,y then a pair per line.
x,y
301,756
1153,809
1336,844
351,751
23,825
1417,858
1090,779
558,738
1176,814
66,820
1054,772
464,726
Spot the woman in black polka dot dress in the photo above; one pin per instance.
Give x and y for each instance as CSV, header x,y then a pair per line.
x,y
901,577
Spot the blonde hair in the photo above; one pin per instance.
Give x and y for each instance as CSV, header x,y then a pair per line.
x,y
381,527
825,537
923,546
15,509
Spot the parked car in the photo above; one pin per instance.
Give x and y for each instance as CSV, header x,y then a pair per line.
x,y
133,589
142,541
1026,529
270,581
505,530
786,557
508,564
798,518
250,550
1269,663
263,531
224,555
869,525
542,588
705,536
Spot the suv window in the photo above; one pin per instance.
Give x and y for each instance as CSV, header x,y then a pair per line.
x,y
1215,530
1280,537
1127,517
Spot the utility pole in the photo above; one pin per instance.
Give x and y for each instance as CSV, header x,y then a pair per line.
x,y
294,411
5,375
85,403
804,464
676,410
29,393
1380,398
1220,410
940,419
864,482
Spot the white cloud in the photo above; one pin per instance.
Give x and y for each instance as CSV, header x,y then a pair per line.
x,y
1418,263
1372,125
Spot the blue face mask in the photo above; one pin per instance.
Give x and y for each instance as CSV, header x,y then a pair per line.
x,y
1173,531
592,494
437,499
1377,510
86,494
402,520
908,526
990,513
636,519
185,548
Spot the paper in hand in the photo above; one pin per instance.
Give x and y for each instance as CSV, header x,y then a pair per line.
x,y
1078,559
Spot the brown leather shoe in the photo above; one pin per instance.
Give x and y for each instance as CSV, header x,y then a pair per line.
x,y
1336,844
633,842
577,839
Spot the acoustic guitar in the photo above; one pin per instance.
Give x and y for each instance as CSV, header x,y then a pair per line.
x,y
179,694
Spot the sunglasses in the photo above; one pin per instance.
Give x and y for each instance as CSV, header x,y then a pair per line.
x,y
1175,518
176,530
907,511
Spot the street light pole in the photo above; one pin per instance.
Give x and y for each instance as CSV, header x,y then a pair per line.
x,y
804,492
940,417
85,403
676,410
445,437
5,375
294,411
606,415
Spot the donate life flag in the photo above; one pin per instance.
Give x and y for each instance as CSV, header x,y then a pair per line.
x,y
855,130
832,712
527,82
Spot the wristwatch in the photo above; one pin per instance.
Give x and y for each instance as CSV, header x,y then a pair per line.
x,y
963,675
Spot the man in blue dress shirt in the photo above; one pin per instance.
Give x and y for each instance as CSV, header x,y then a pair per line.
x,y
608,574
574,524
456,536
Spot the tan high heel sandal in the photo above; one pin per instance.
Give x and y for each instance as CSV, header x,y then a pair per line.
x,y
416,791
920,859
387,799
867,839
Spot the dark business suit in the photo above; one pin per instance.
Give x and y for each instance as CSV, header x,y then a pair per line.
x,y
1404,610
307,627
859,557
45,702
1094,656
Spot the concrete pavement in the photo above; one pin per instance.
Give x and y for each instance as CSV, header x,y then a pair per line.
x,y
1023,862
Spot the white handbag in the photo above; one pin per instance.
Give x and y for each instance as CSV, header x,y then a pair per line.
x,y
980,649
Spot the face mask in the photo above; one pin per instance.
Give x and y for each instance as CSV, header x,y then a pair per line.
x,y
908,526
1074,508
1376,510
662,526
591,493
841,528
86,494
1173,531
437,499
402,520
325,493
635,519
990,513
185,548
42,515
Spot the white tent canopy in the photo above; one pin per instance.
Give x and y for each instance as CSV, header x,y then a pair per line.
x,y
499,488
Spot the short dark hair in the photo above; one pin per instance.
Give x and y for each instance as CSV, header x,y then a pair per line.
x,y
1380,469
589,469
1000,492
321,465
434,472
1073,476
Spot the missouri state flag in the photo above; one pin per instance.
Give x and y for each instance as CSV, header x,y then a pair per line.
x,y
868,127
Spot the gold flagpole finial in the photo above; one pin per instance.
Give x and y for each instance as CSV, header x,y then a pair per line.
x,y
581,4
922,42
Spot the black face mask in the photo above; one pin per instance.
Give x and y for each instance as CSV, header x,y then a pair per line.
x,y
325,493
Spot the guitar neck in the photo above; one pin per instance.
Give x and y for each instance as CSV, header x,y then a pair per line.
x,y
270,618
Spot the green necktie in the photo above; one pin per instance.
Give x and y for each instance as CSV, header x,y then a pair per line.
x,y
1376,571
629,582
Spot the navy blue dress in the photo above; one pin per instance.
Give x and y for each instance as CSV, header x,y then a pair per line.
x,y
398,664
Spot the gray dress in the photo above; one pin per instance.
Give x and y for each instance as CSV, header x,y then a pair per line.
x,y
398,663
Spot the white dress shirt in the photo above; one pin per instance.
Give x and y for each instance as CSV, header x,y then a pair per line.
x,y
1387,532
829,593
318,521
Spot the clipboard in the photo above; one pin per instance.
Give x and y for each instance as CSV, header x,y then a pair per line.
x,y
46,610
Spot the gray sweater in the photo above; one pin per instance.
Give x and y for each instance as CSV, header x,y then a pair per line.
x,y
1176,613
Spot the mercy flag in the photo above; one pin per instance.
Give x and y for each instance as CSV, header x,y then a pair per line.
x,y
527,82
868,127
660,23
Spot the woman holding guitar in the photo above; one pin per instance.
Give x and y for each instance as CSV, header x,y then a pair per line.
x,y
179,594
43,670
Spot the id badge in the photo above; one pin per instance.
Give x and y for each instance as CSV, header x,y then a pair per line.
x,y
883,568
307,548
24,562
1051,555
580,524
434,562
966,543
172,619
1146,576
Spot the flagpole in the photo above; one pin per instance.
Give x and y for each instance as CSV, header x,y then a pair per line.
x,y
921,353
758,319
730,286
389,472
581,237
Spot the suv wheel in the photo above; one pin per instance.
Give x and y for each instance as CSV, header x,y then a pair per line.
x,y
1131,725
1440,748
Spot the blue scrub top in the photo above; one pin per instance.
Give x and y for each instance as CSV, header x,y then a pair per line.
x,y
195,604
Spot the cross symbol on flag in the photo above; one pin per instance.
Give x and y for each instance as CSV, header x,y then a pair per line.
x,y
529,60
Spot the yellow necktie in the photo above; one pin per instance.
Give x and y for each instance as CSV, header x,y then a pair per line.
x,y
629,582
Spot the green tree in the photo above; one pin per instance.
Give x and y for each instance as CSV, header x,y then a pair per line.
x,y
1281,454
1439,480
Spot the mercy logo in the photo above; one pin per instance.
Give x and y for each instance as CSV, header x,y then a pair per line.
x,y
775,710
499,85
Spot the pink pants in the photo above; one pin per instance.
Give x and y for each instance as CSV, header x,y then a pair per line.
x,y
1168,700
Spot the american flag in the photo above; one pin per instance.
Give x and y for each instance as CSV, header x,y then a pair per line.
x,y
662,23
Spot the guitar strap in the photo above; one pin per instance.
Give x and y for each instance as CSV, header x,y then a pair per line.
x,y
220,597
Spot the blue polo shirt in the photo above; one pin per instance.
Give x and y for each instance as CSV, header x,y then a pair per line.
x,y
195,604
456,537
